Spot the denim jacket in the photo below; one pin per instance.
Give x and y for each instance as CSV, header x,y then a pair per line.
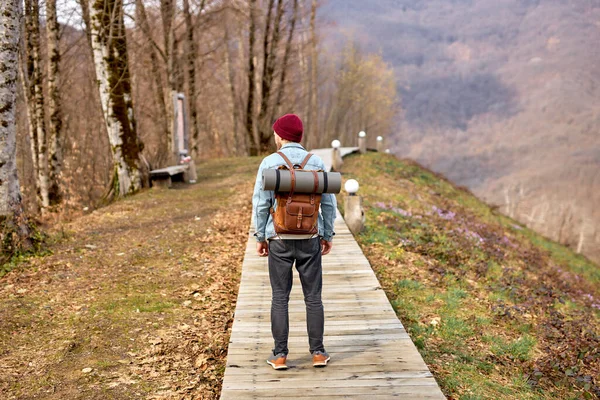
x,y
262,200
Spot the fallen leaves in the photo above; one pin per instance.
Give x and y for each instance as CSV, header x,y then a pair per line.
x,y
137,293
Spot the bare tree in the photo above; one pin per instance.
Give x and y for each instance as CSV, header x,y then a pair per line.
x,y
54,104
167,11
285,61
301,100
313,116
14,231
192,55
109,48
32,78
271,38
232,89
251,130
154,52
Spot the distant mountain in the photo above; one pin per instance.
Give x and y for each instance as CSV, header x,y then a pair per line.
x,y
502,96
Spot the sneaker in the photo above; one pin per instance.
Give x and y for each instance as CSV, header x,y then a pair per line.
x,y
277,361
320,358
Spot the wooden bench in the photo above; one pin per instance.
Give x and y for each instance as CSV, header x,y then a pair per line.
x,y
165,177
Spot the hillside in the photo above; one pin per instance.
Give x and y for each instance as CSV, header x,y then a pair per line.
x,y
500,96
496,310
135,300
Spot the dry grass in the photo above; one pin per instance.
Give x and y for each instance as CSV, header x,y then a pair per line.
x,y
142,292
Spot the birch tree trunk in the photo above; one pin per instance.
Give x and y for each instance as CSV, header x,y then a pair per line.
x,y
27,65
54,105
167,10
14,231
35,100
109,48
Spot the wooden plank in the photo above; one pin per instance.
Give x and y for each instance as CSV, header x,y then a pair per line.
x,y
404,392
345,339
326,301
387,361
172,170
331,383
259,374
342,310
329,330
359,324
301,316
336,396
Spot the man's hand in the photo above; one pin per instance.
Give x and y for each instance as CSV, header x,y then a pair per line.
x,y
262,249
325,247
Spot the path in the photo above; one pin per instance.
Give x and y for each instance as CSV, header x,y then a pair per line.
x,y
372,355
326,154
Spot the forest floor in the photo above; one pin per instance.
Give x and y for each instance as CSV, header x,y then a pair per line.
x,y
134,300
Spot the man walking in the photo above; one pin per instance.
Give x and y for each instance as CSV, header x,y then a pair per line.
x,y
283,250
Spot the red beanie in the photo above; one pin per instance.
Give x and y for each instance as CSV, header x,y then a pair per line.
x,y
289,127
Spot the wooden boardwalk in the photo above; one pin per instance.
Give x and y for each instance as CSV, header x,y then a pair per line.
x,y
371,353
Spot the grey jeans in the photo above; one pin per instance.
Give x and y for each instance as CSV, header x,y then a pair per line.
x,y
307,255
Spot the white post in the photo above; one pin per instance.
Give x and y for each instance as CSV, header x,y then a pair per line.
x,y
190,174
362,142
180,127
336,156
353,210
379,144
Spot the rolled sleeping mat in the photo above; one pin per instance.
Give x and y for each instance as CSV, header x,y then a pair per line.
x,y
280,180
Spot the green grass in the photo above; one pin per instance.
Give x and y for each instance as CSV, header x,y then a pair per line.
x,y
409,284
139,303
519,349
485,314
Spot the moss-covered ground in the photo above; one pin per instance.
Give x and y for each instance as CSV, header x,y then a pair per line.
x,y
497,311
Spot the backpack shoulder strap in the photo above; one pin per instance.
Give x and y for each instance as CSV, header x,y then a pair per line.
x,y
286,159
308,156
292,173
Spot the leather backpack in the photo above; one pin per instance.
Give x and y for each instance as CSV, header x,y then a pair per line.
x,y
296,213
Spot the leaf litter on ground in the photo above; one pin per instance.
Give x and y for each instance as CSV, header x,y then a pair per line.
x,y
137,298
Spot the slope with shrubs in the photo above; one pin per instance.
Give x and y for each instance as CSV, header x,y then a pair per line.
x,y
496,310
